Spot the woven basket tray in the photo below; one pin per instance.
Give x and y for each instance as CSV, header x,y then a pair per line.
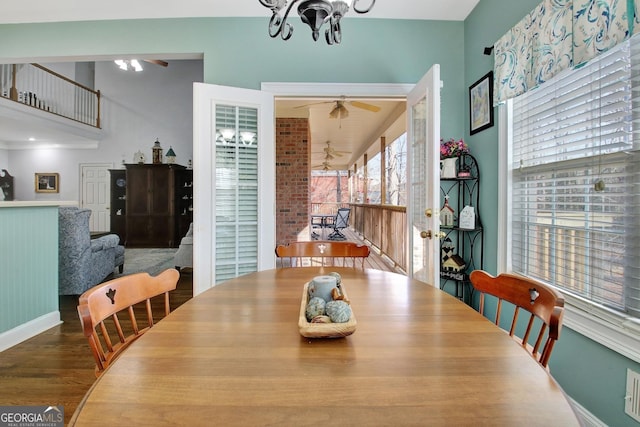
x,y
324,330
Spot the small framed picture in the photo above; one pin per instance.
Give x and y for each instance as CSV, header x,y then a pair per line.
x,y
481,103
47,182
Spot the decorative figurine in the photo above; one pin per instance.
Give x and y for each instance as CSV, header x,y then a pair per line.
x,y
451,262
157,152
446,214
171,156
138,157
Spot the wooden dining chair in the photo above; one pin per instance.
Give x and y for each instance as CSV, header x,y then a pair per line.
x,y
100,306
323,253
534,297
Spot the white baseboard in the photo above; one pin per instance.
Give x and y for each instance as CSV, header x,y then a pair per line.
x,y
30,329
585,417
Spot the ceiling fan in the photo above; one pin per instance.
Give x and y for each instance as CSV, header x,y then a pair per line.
x,y
325,166
330,153
340,111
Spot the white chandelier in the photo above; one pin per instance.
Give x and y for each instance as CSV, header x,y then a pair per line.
x,y
313,13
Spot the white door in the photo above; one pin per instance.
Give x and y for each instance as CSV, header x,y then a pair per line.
x,y
95,194
423,155
234,183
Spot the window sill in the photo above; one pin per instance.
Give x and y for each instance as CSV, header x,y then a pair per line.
x,y
609,328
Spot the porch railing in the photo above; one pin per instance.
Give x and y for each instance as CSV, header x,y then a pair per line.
x,y
46,90
330,208
385,227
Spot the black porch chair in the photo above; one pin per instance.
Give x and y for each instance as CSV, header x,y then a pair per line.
x,y
340,223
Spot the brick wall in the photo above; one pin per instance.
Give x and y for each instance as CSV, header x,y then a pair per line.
x,y
292,179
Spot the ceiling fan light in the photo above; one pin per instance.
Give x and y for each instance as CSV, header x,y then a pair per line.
x,y
122,64
227,134
136,65
340,112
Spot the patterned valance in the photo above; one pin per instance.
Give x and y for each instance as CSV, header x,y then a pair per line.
x,y
556,35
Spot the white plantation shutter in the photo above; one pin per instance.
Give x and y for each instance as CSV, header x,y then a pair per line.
x,y
236,164
568,134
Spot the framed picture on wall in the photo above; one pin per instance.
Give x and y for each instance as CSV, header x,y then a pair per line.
x,y
47,182
481,103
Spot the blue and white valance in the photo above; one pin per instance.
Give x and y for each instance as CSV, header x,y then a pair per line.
x,y
556,35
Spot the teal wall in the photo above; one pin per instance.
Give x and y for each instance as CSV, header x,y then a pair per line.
x,y
238,51
590,373
28,265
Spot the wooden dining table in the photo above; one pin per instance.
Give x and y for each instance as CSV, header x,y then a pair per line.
x,y
234,356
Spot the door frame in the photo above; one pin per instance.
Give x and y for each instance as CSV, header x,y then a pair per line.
x,y
333,90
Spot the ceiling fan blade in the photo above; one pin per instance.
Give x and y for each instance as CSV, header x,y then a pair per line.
x,y
365,106
323,167
157,62
314,103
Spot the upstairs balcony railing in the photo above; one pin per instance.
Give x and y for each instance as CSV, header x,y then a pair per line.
x,y
46,90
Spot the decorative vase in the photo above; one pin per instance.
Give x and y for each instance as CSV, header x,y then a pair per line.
x,y
448,167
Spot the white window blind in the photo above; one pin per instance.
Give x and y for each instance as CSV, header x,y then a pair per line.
x,y
570,135
236,191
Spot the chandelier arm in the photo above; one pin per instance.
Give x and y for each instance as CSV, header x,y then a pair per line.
x,y
333,33
355,7
278,25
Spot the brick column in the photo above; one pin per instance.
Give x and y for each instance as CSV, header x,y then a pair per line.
x,y
292,178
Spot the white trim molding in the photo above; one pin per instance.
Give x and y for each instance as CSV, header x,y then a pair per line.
x,y
587,419
364,90
29,329
613,330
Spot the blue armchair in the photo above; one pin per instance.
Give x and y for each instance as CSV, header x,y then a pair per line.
x,y
84,262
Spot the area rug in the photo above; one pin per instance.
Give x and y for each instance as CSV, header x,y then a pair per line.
x,y
152,260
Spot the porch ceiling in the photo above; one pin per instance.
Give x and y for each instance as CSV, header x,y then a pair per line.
x,y
354,135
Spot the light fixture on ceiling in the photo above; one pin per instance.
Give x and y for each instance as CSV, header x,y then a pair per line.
x,y
129,64
226,135
247,138
313,13
325,166
339,111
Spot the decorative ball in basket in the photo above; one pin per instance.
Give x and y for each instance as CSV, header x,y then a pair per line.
x,y
325,310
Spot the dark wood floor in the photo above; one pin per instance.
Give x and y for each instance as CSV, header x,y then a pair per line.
x,y
56,366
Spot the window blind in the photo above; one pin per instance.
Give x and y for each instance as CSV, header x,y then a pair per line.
x,y
569,136
236,183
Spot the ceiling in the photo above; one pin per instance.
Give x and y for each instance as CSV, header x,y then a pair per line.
x,y
351,135
74,10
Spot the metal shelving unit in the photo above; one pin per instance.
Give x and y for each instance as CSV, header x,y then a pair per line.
x,y
467,243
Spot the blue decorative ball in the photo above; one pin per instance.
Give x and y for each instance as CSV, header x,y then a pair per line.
x,y
315,307
338,311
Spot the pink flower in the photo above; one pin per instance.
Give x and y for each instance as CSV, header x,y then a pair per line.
x,y
452,148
